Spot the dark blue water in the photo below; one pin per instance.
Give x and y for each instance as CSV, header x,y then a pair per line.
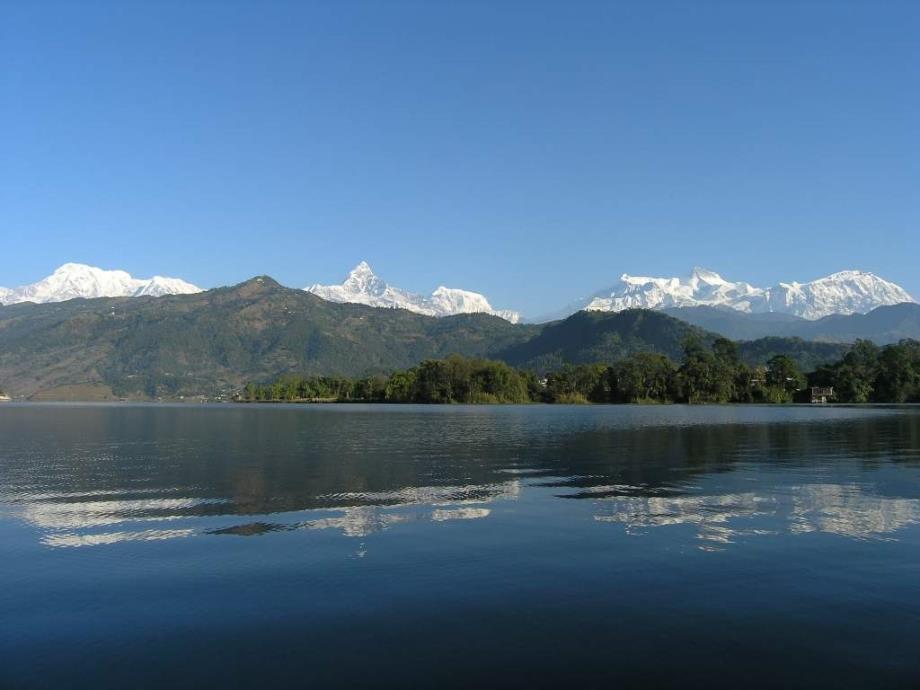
x,y
459,547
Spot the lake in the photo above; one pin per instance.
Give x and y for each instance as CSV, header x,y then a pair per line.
x,y
348,546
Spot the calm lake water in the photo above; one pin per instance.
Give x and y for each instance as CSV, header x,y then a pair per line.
x,y
463,547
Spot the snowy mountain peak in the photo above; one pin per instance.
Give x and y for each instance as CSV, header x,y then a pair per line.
x,y
72,280
844,292
702,286
362,279
363,286
158,286
704,275
71,268
845,275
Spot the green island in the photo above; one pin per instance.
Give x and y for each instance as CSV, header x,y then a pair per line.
x,y
867,373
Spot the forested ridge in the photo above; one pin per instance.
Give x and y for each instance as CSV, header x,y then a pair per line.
x,y
713,373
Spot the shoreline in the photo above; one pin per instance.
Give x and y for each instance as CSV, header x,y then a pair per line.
x,y
332,403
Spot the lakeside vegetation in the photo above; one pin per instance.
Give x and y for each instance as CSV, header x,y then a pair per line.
x,y
705,374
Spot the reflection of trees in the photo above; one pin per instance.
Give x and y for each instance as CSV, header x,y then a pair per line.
x,y
128,470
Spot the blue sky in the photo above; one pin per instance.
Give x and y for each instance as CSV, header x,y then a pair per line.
x,y
531,151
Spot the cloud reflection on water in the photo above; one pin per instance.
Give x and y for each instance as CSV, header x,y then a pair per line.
x,y
844,510
718,519
74,523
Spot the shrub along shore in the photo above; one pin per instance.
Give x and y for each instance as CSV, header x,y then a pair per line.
x,y
866,373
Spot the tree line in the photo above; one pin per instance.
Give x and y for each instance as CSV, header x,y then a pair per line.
x,y
716,374
869,373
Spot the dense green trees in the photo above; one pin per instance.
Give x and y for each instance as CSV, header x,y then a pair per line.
x,y
577,383
782,380
897,376
868,373
720,376
707,376
458,379
452,380
713,374
644,377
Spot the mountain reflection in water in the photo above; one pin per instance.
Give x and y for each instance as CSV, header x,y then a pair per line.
x,y
105,476
528,547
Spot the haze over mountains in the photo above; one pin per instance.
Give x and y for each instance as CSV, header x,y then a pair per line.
x,y
882,325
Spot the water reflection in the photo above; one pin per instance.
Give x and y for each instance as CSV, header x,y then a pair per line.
x,y
848,511
63,513
66,522
107,475
72,539
723,519
712,516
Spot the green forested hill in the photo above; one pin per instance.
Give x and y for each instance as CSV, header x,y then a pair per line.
x,y
601,337
215,341
593,336
809,355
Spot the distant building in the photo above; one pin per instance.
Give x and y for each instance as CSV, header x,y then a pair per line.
x,y
821,394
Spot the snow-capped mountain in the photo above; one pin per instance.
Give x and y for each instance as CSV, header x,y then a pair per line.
x,y
79,280
363,286
701,287
846,292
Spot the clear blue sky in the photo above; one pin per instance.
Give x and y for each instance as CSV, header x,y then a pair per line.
x,y
531,151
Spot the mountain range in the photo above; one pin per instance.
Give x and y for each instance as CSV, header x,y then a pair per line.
x,y
363,286
213,342
842,293
845,292
210,343
73,280
883,325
